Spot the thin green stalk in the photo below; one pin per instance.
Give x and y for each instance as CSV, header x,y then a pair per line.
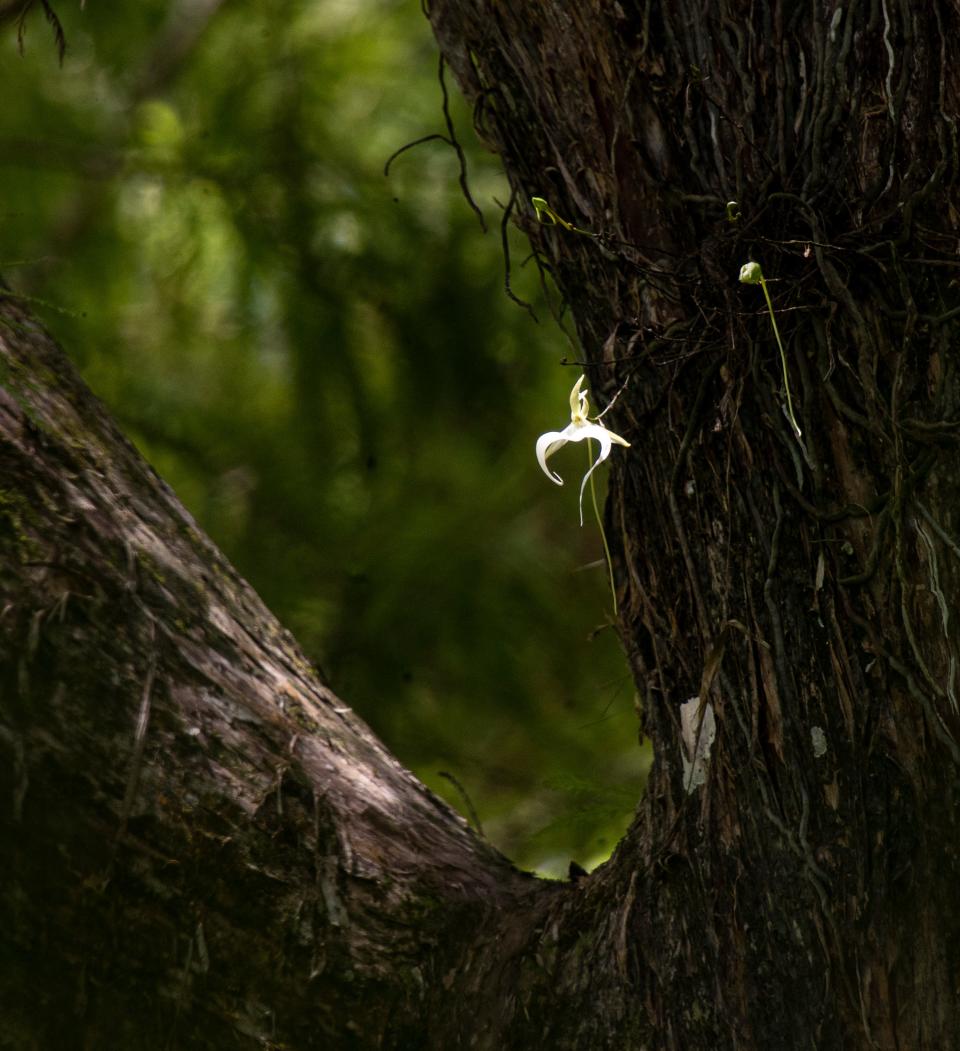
x,y
603,535
751,273
783,356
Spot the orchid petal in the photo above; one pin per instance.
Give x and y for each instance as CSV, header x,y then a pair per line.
x,y
577,398
547,445
577,432
603,436
579,429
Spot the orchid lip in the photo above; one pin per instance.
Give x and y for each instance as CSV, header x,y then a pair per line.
x,y
579,429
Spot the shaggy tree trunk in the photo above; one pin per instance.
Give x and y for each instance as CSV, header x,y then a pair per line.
x,y
801,589
206,849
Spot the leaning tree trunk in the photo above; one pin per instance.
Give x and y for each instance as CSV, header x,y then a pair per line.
x,y
800,588
206,849
202,847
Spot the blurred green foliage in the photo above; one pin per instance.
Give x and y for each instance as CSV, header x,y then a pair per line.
x,y
323,363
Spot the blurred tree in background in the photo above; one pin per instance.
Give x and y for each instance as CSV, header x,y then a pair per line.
x,y
325,366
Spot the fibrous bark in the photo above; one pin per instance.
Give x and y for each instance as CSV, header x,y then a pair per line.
x,y
207,849
203,847
802,591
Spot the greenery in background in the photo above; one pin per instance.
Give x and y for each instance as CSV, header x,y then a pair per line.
x,y
323,363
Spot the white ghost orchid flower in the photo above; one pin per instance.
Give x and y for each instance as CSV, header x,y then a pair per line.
x,y
578,429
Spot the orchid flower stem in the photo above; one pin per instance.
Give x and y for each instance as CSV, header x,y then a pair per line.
x,y
783,357
603,535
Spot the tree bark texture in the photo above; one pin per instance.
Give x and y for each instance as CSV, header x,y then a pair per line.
x,y
206,849
203,847
803,591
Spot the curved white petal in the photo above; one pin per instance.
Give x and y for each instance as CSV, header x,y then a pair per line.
x,y
547,445
576,432
603,436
